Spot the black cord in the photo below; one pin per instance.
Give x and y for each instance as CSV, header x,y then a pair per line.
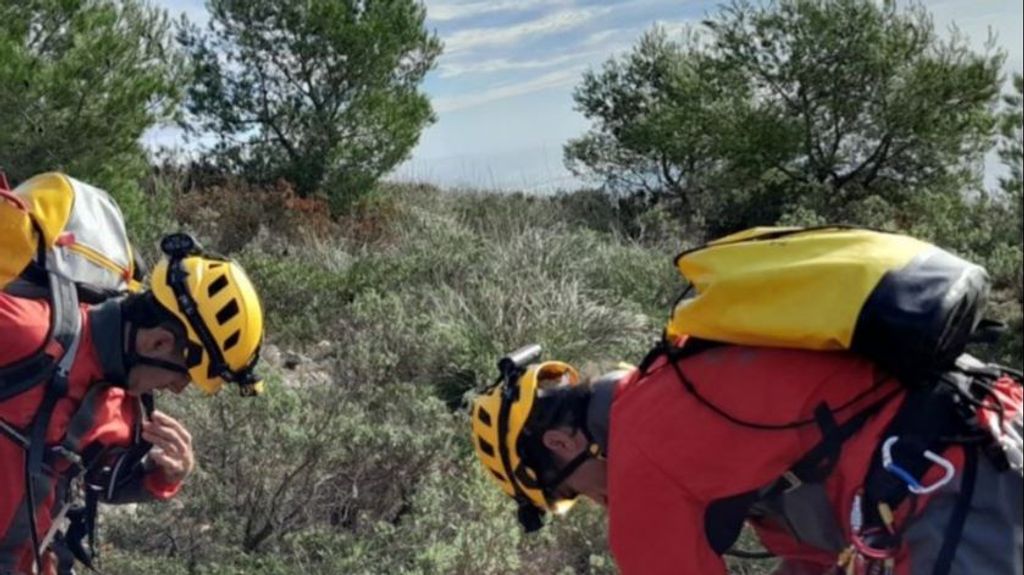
x,y
744,554
766,426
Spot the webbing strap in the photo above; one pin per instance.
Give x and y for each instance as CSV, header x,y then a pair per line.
x,y
926,416
817,463
955,527
26,374
66,331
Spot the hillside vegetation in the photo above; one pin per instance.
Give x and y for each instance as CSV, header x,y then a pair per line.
x,y
388,304
359,459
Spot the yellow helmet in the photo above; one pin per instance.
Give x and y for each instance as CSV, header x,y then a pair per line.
x,y
221,312
498,418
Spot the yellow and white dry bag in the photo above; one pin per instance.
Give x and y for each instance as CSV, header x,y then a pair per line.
x,y
53,227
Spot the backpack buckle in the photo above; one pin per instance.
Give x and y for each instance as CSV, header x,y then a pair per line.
x,y
793,482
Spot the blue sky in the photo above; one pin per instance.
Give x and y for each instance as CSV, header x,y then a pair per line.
x,y
502,91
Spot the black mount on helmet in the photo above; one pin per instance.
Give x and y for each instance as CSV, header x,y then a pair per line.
x,y
177,247
180,245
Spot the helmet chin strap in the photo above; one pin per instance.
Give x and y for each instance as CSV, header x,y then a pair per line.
x,y
162,364
591,452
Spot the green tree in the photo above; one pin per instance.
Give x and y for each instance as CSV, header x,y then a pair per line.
x,y
322,93
838,108
80,82
664,117
1011,151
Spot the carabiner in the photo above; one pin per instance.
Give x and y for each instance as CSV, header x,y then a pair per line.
x,y
912,483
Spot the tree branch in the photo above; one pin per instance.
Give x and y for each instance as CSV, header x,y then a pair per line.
x,y
875,160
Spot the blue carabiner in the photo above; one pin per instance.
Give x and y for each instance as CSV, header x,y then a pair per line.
x,y
912,483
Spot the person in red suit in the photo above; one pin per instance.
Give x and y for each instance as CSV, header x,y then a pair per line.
x,y
694,445
201,322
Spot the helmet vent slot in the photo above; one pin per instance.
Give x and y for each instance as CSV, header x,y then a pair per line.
x,y
227,312
232,340
483,416
486,447
217,285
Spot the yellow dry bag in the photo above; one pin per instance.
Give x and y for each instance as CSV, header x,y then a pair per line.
x,y
904,302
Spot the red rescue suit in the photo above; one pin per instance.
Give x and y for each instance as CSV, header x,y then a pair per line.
x,y
93,418
674,458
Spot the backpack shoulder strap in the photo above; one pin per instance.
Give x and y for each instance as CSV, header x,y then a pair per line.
x,y
816,465
66,331
26,374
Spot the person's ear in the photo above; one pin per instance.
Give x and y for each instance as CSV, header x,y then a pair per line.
x,y
155,341
563,443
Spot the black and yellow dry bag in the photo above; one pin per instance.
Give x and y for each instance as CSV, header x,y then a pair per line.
x,y
907,304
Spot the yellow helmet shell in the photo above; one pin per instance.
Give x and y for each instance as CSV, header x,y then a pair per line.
x,y
485,413
227,304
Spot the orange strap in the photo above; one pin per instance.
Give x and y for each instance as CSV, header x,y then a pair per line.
x,y
8,195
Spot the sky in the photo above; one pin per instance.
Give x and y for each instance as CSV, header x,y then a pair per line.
x,y
502,90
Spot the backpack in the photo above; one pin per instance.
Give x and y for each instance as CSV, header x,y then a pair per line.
x,y
910,306
66,241
55,225
906,304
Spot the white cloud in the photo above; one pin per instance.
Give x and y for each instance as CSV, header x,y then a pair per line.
x,y
194,10
551,24
445,11
600,44
602,37
550,80
616,39
454,69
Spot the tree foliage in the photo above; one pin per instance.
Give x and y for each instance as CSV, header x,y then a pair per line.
x,y
817,106
1011,151
323,93
80,82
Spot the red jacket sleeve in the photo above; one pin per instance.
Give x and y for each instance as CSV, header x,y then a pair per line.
x,y
655,527
114,423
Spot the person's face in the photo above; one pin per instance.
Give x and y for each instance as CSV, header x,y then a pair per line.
x,y
589,479
157,343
